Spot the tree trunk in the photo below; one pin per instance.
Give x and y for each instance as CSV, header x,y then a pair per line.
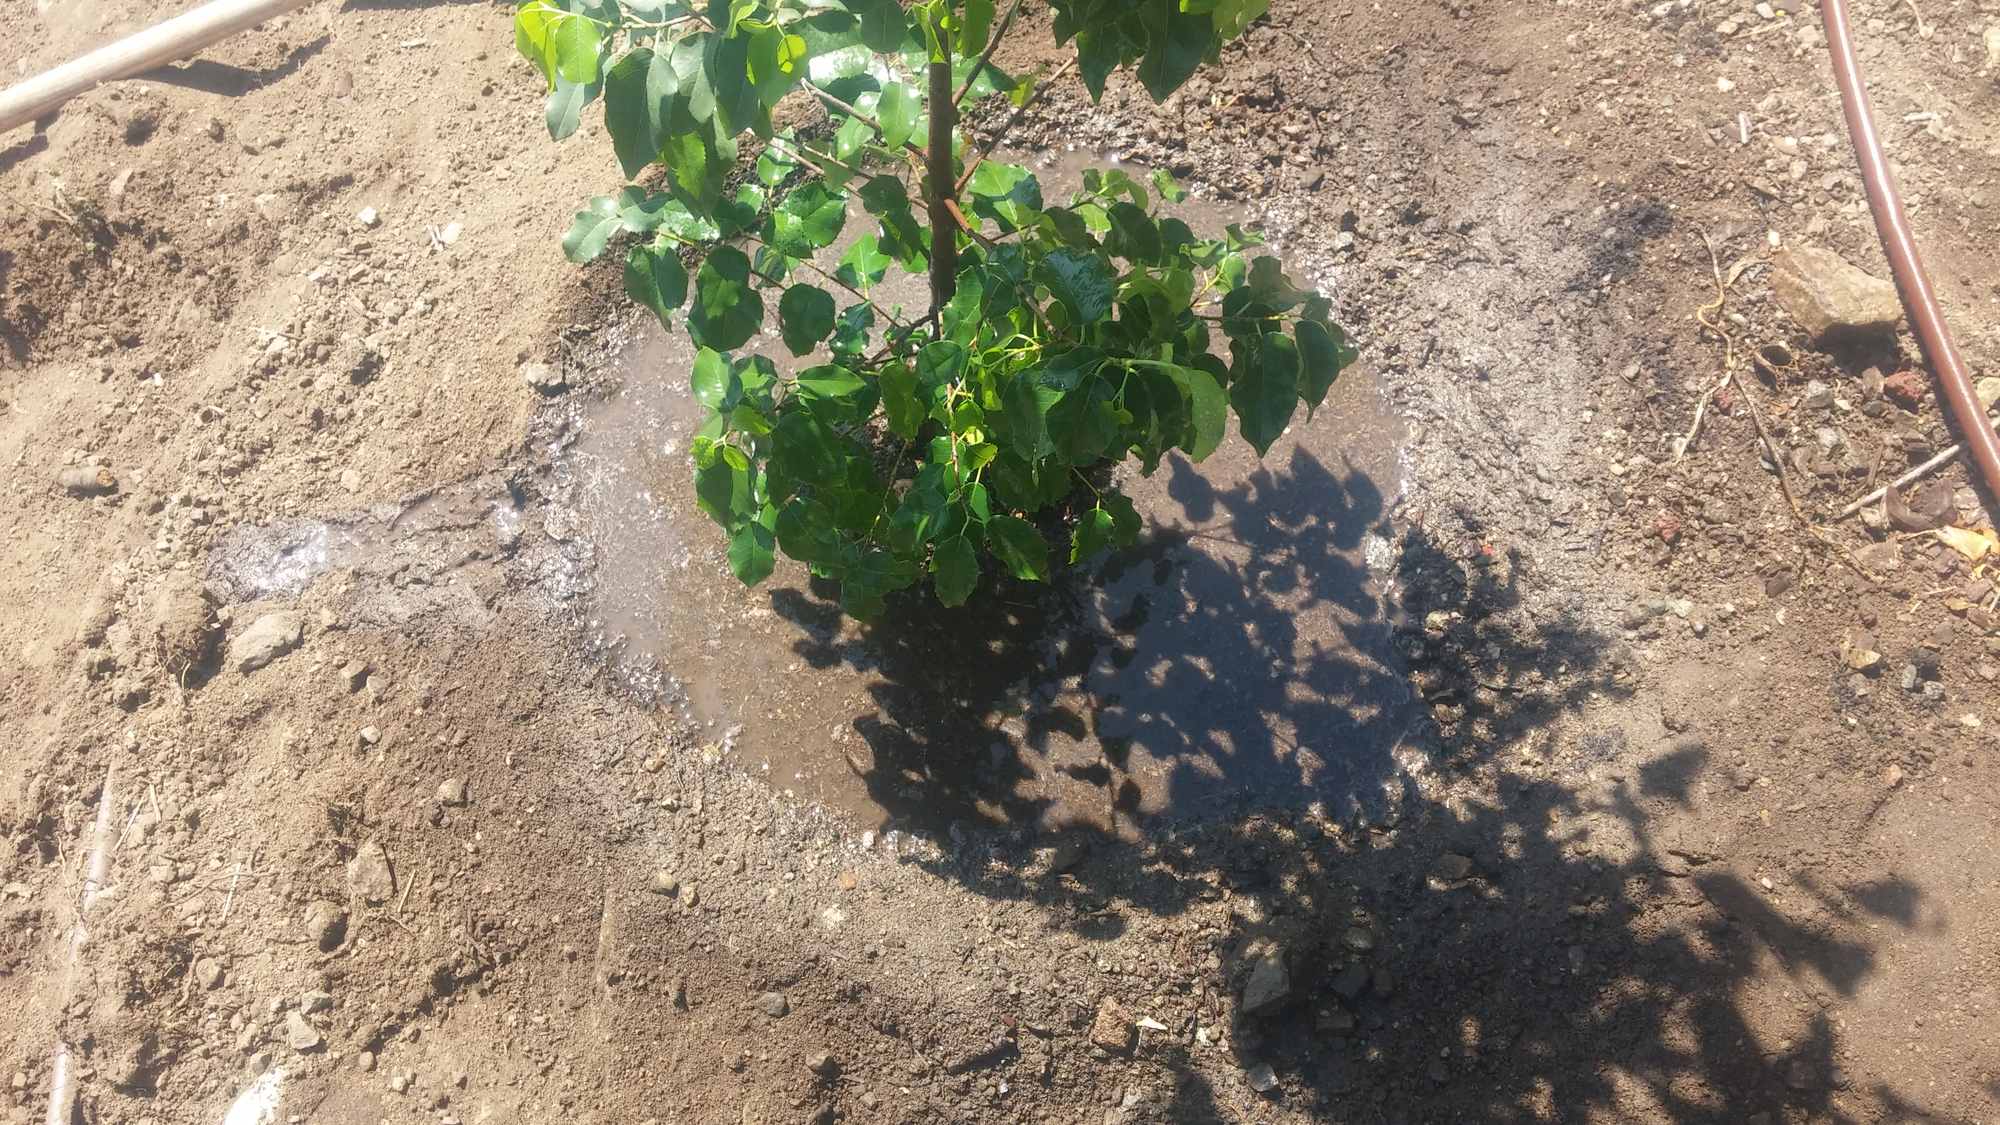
x,y
942,189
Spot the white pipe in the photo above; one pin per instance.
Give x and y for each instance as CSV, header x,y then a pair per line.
x,y
141,51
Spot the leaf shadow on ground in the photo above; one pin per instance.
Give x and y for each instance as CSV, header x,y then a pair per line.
x,y
1464,932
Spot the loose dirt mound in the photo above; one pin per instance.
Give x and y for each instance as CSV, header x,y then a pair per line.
x,y
1665,848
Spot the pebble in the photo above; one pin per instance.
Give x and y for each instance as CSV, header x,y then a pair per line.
x,y
1262,1078
665,883
1452,867
823,1064
208,971
774,1005
1269,984
1905,389
451,792
370,735
350,480
326,925
365,1060
354,673
300,1033
315,1001
1818,395
367,216
1113,1029
370,874
269,637
90,480
1827,294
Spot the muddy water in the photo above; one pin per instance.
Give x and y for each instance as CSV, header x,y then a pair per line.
x,y
1236,658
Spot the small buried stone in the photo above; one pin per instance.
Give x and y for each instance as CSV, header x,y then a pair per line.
x,y
451,792
208,971
269,637
1262,1078
1269,984
1113,1028
370,874
544,378
665,883
301,1034
326,925
823,1064
774,1005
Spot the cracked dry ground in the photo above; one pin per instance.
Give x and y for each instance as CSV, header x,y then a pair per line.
x,y
1646,848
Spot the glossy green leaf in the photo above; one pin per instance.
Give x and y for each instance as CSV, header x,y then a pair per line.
x,y
897,112
591,229
638,95
655,278
565,106
955,566
1266,395
1082,282
809,219
1091,536
714,384
777,61
1019,547
864,265
727,312
805,317
905,412
1209,410
1323,352
751,554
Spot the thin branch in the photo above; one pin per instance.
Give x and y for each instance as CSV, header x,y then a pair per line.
x,y
834,278
1012,120
855,112
992,42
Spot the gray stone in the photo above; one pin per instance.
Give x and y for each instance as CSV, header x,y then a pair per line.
x,y
315,1001
269,637
208,971
451,791
1818,395
370,875
1269,984
774,1004
326,925
823,1064
1262,1078
1827,294
301,1034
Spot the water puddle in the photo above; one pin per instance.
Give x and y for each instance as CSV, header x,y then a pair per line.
x,y
1238,657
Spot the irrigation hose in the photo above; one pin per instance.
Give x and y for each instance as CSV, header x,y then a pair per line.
x,y
1954,383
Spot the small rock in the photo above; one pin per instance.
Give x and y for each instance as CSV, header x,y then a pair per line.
x,y
208,971
1113,1029
269,637
1828,295
451,792
544,378
823,1064
665,883
300,1033
1910,677
1860,652
1988,390
369,736
1905,389
399,1083
354,673
774,1005
1350,982
1262,1078
1818,396
1269,984
350,480
1359,938
367,216
326,925
371,875
365,1060
1451,867
315,1001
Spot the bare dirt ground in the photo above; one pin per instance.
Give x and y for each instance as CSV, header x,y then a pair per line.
x,y
1647,848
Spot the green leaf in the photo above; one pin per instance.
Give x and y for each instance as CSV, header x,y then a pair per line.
x,y
1168,187
899,401
1082,282
1176,42
1322,354
534,35
864,264
1210,414
1133,235
750,549
974,27
655,278
777,62
727,311
1091,536
638,93
956,567
713,382
1025,407
941,363
1066,372
836,394
592,229
773,166
897,111
1124,518
884,25
809,219
575,40
1267,394
805,316
565,106
1019,547
722,488
725,69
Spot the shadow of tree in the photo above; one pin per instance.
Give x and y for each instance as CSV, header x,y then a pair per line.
x,y
1477,903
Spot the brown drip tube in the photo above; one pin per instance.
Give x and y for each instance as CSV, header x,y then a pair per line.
x,y
1953,382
